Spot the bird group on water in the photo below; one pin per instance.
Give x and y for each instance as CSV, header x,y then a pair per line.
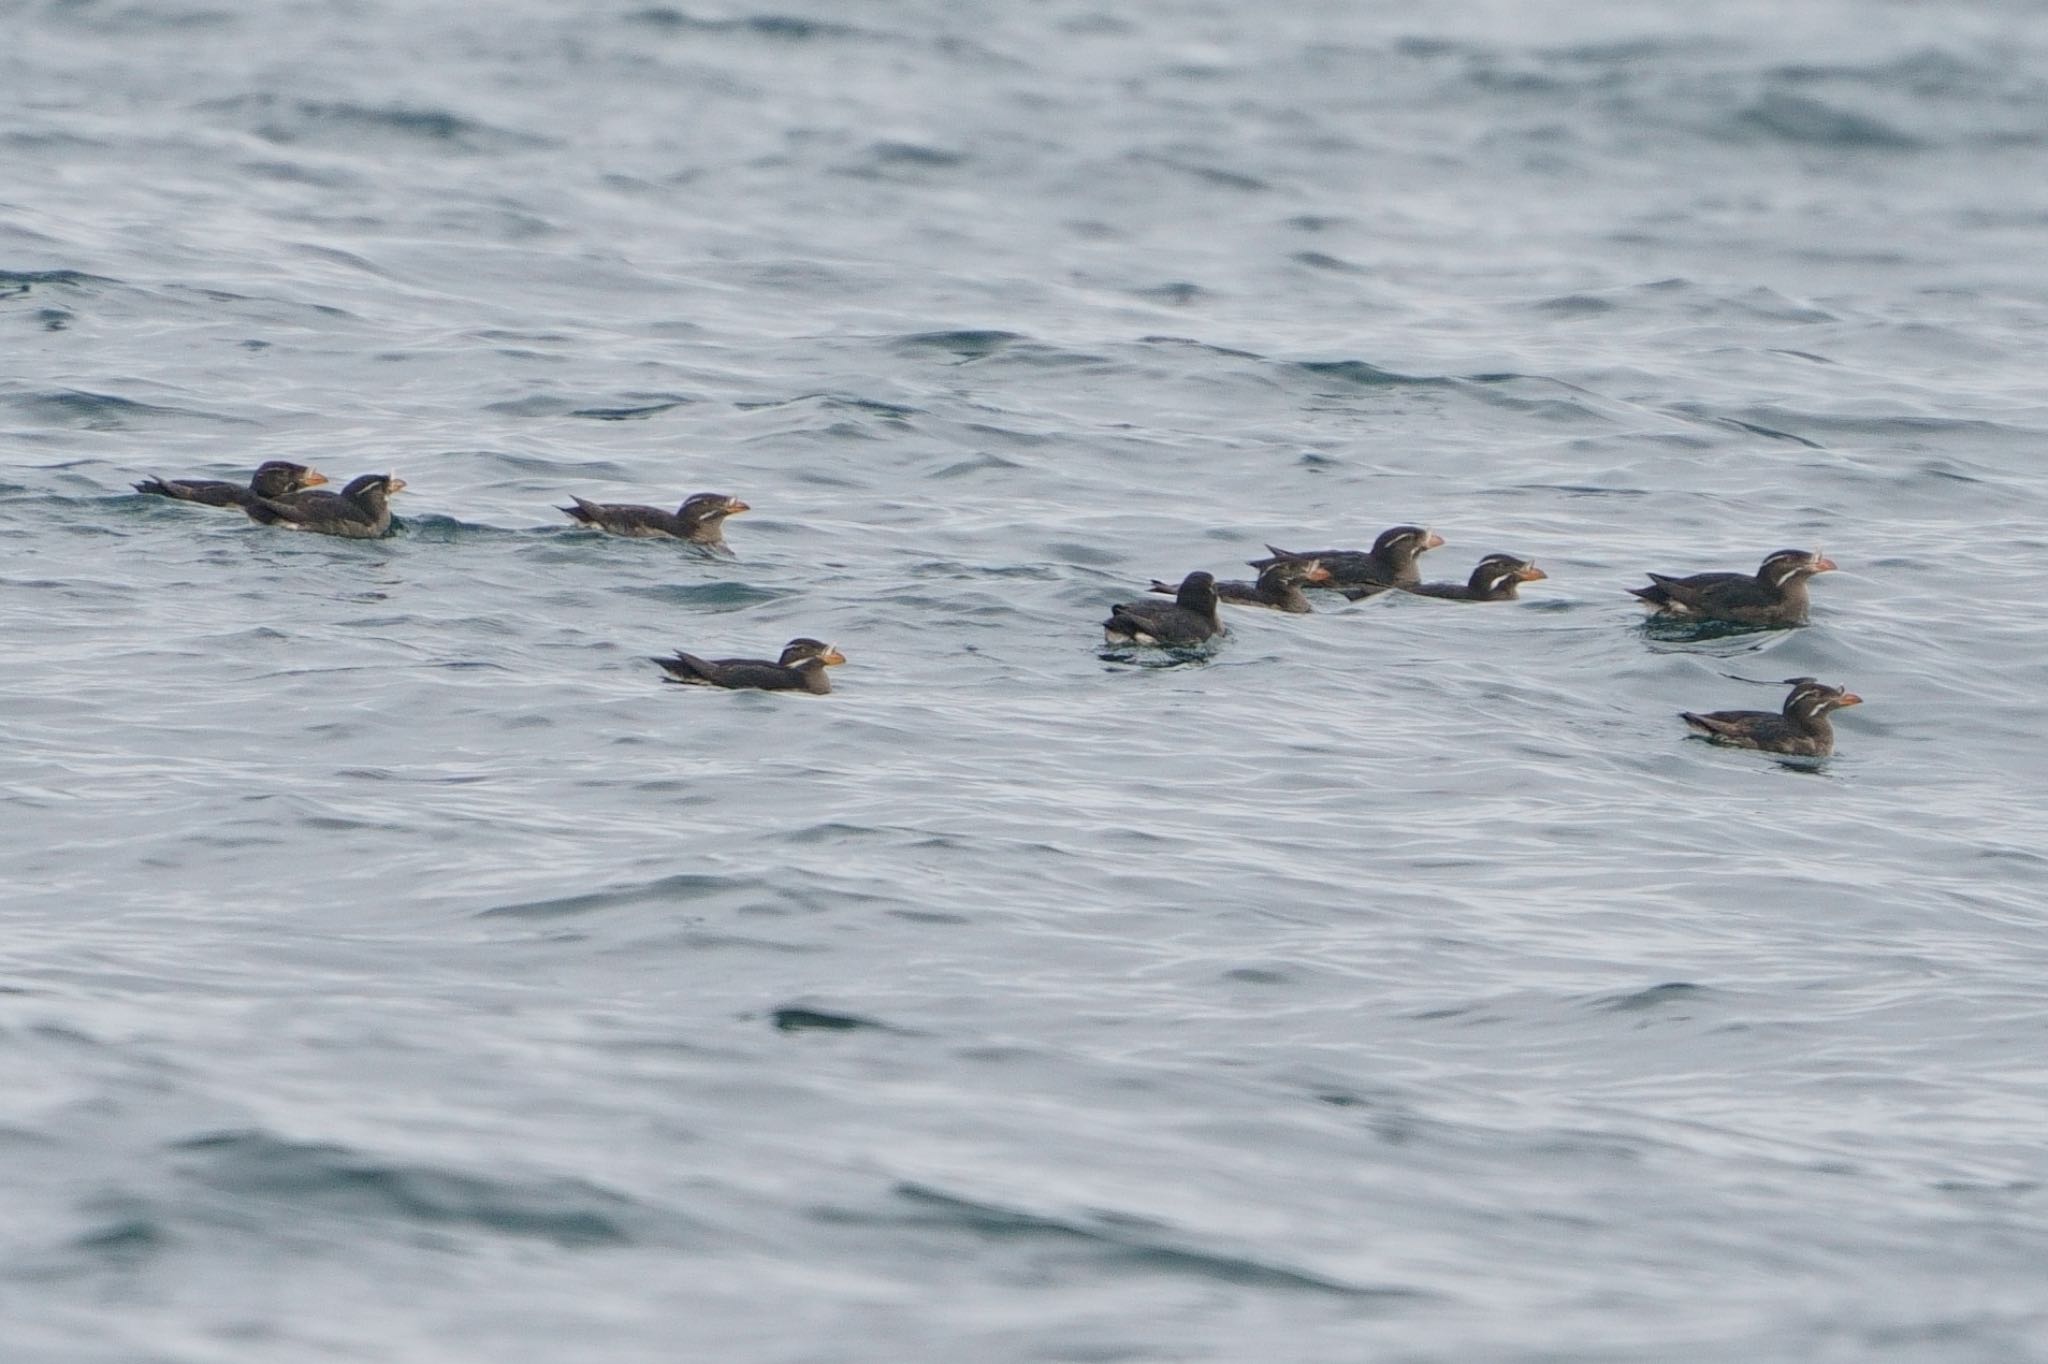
x,y
281,493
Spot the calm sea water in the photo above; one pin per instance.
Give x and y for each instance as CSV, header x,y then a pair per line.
x,y
394,970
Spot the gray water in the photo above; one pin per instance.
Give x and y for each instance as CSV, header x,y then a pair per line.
x,y
393,969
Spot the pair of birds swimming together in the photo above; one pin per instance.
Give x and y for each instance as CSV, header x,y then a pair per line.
x,y
287,494
1772,597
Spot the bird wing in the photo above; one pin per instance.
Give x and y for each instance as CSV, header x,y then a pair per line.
x,y
1709,724
630,517
1707,590
1165,621
1753,727
758,673
269,511
688,667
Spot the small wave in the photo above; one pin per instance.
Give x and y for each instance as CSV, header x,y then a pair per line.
x,y
1079,552
334,255
254,1163
1136,1242
1227,352
982,463
1695,412
437,529
917,155
1512,391
1363,375
119,20
1809,122
343,124
1323,260
685,887
1574,305
1927,72
785,27
800,1018
968,343
108,411
850,402
573,467
956,568
837,831
1654,997
666,403
716,596
1213,175
125,1237
19,282
298,173
1772,433
533,405
1178,293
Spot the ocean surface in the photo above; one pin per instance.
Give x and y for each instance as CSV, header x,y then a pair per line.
x,y
394,969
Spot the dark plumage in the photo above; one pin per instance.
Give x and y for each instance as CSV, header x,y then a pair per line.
x,y
1495,579
801,668
274,478
1362,573
1801,729
1189,618
1775,595
1278,588
700,520
361,511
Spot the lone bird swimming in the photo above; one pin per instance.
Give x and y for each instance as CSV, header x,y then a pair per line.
x,y
800,668
700,520
1774,595
1190,618
1801,729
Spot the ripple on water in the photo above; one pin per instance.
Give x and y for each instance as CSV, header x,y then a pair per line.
x,y
335,1180
634,411
1812,122
346,124
805,1018
1127,1243
682,888
720,596
966,344
108,411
